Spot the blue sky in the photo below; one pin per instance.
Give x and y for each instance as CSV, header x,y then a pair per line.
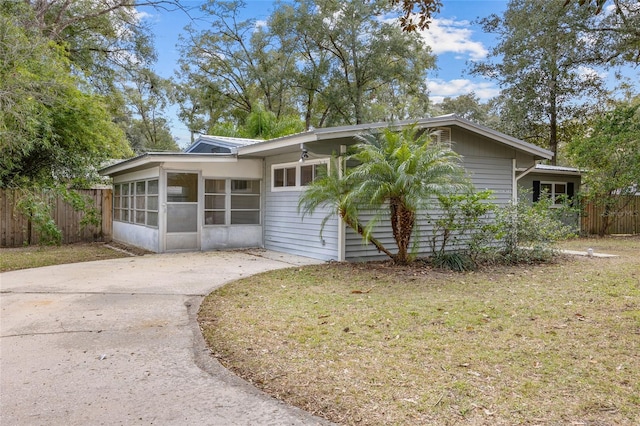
x,y
454,37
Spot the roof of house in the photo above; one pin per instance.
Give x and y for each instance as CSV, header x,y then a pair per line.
x,y
221,141
547,168
153,159
257,148
283,144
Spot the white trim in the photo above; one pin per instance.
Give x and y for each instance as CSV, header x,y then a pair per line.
x,y
228,194
297,165
199,207
553,194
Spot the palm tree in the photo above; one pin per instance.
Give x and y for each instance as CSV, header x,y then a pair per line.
x,y
398,172
332,190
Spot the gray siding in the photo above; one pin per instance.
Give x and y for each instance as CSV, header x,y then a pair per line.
x,y
284,228
485,172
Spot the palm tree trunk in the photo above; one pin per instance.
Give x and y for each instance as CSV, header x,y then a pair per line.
x,y
402,222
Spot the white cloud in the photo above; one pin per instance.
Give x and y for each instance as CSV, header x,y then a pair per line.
x,y
260,23
440,89
448,35
587,73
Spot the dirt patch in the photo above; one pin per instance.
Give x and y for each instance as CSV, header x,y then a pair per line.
x,y
130,250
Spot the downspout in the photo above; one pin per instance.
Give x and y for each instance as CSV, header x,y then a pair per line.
x,y
263,200
342,228
162,214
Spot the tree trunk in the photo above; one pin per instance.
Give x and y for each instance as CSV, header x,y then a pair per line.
x,y
402,222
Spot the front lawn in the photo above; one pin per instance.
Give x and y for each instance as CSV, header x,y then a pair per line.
x,y
371,344
37,256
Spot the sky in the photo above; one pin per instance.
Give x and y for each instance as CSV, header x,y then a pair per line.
x,y
454,36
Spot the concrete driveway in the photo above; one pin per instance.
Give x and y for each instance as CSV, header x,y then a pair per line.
x,y
116,342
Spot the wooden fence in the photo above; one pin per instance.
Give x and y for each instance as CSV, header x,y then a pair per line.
x,y
16,229
625,220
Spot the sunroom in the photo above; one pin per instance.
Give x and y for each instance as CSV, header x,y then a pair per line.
x,y
185,201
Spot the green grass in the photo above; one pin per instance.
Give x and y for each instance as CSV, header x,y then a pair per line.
x,y
373,344
37,256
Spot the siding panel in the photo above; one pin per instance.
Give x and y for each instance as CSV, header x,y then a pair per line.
x,y
284,228
485,172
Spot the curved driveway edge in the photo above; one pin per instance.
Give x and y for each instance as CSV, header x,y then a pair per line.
x,y
116,342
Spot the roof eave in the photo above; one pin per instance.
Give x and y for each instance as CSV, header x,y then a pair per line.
x,y
151,159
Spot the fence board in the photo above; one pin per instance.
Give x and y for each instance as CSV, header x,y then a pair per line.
x,y
624,220
15,228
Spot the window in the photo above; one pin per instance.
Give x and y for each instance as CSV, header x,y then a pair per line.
x,y
182,188
231,202
293,176
214,201
136,202
309,173
559,192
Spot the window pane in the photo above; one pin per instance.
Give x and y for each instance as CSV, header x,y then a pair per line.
x,y
125,189
214,218
214,202
116,214
182,187
152,203
306,175
291,176
140,217
116,190
212,186
245,218
561,188
152,219
545,188
245,202
140,187
125,202
152,187
140,202
320,171
245,186
278,178
125,215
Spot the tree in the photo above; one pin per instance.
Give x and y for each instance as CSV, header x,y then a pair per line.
x,y
610,155
369,59
336,192
543,54
397,174
146,95
52,128
107,43
419,13
332,62
617,34
467,106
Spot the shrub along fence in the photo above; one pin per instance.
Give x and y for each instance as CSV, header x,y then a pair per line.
x,y
624,219
16,230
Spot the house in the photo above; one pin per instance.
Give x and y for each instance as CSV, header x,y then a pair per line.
x,y
236,193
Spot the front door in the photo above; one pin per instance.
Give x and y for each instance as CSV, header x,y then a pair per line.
x,y
182,212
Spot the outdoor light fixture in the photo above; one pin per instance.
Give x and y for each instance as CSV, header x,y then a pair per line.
x,y
304,154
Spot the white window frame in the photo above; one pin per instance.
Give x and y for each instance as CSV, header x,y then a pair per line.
x,y
553,194
228,194
297,165
131,208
